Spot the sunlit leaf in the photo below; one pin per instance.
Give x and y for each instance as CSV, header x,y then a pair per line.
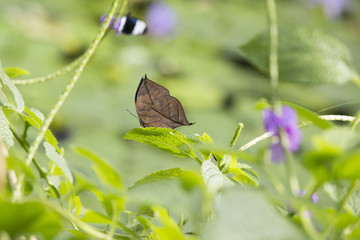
x,y
305,55
105,171
165,139
60,162
8,88
15,72
168,230
5,133
29,218
188,177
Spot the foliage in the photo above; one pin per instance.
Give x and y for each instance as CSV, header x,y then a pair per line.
x,y
232,193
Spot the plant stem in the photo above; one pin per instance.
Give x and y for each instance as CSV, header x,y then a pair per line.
x,y
50,76
273,55
49,118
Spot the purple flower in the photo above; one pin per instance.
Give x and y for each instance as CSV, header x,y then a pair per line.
x,y
161,19
333,8
285,121
103,17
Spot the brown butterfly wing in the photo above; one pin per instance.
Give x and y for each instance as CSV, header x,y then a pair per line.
x,y
156,108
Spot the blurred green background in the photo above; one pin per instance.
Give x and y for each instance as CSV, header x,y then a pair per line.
x,y
200,65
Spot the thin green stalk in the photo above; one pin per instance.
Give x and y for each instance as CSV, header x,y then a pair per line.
x,y
273,57
50,76
49,118
113,221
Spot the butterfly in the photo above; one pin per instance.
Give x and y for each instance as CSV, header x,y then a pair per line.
x,y
130,25
156,108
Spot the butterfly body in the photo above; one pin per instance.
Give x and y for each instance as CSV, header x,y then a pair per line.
x,y
156,108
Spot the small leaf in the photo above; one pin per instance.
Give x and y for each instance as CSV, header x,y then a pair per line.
x,y
35,118
60,162
311,116
5,133
17,103
337,190
172,173
169,229
105,172
165,139
305,55
15,72
243,174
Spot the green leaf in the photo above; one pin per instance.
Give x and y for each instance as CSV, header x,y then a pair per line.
x,y
29,218
6,88
35,118
337,190
206,139
78,234
304,55
187,177
60,162
15,72
242,213
95,217
311,116
165,139
5,133
105,171
243,174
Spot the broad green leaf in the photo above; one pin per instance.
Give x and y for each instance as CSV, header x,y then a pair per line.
x,y
165,139
338,190
15,72
8,88
105,171
29,218
5,133
187,177
35,118
311,116
242,213
304,55
60,162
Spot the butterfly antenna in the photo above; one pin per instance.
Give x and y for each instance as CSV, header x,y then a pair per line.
x,y
132,114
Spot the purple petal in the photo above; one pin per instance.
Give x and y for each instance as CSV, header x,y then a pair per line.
x,y
271,121
289,122
333,8
103,17
315,198
277,152
161,19
116,26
